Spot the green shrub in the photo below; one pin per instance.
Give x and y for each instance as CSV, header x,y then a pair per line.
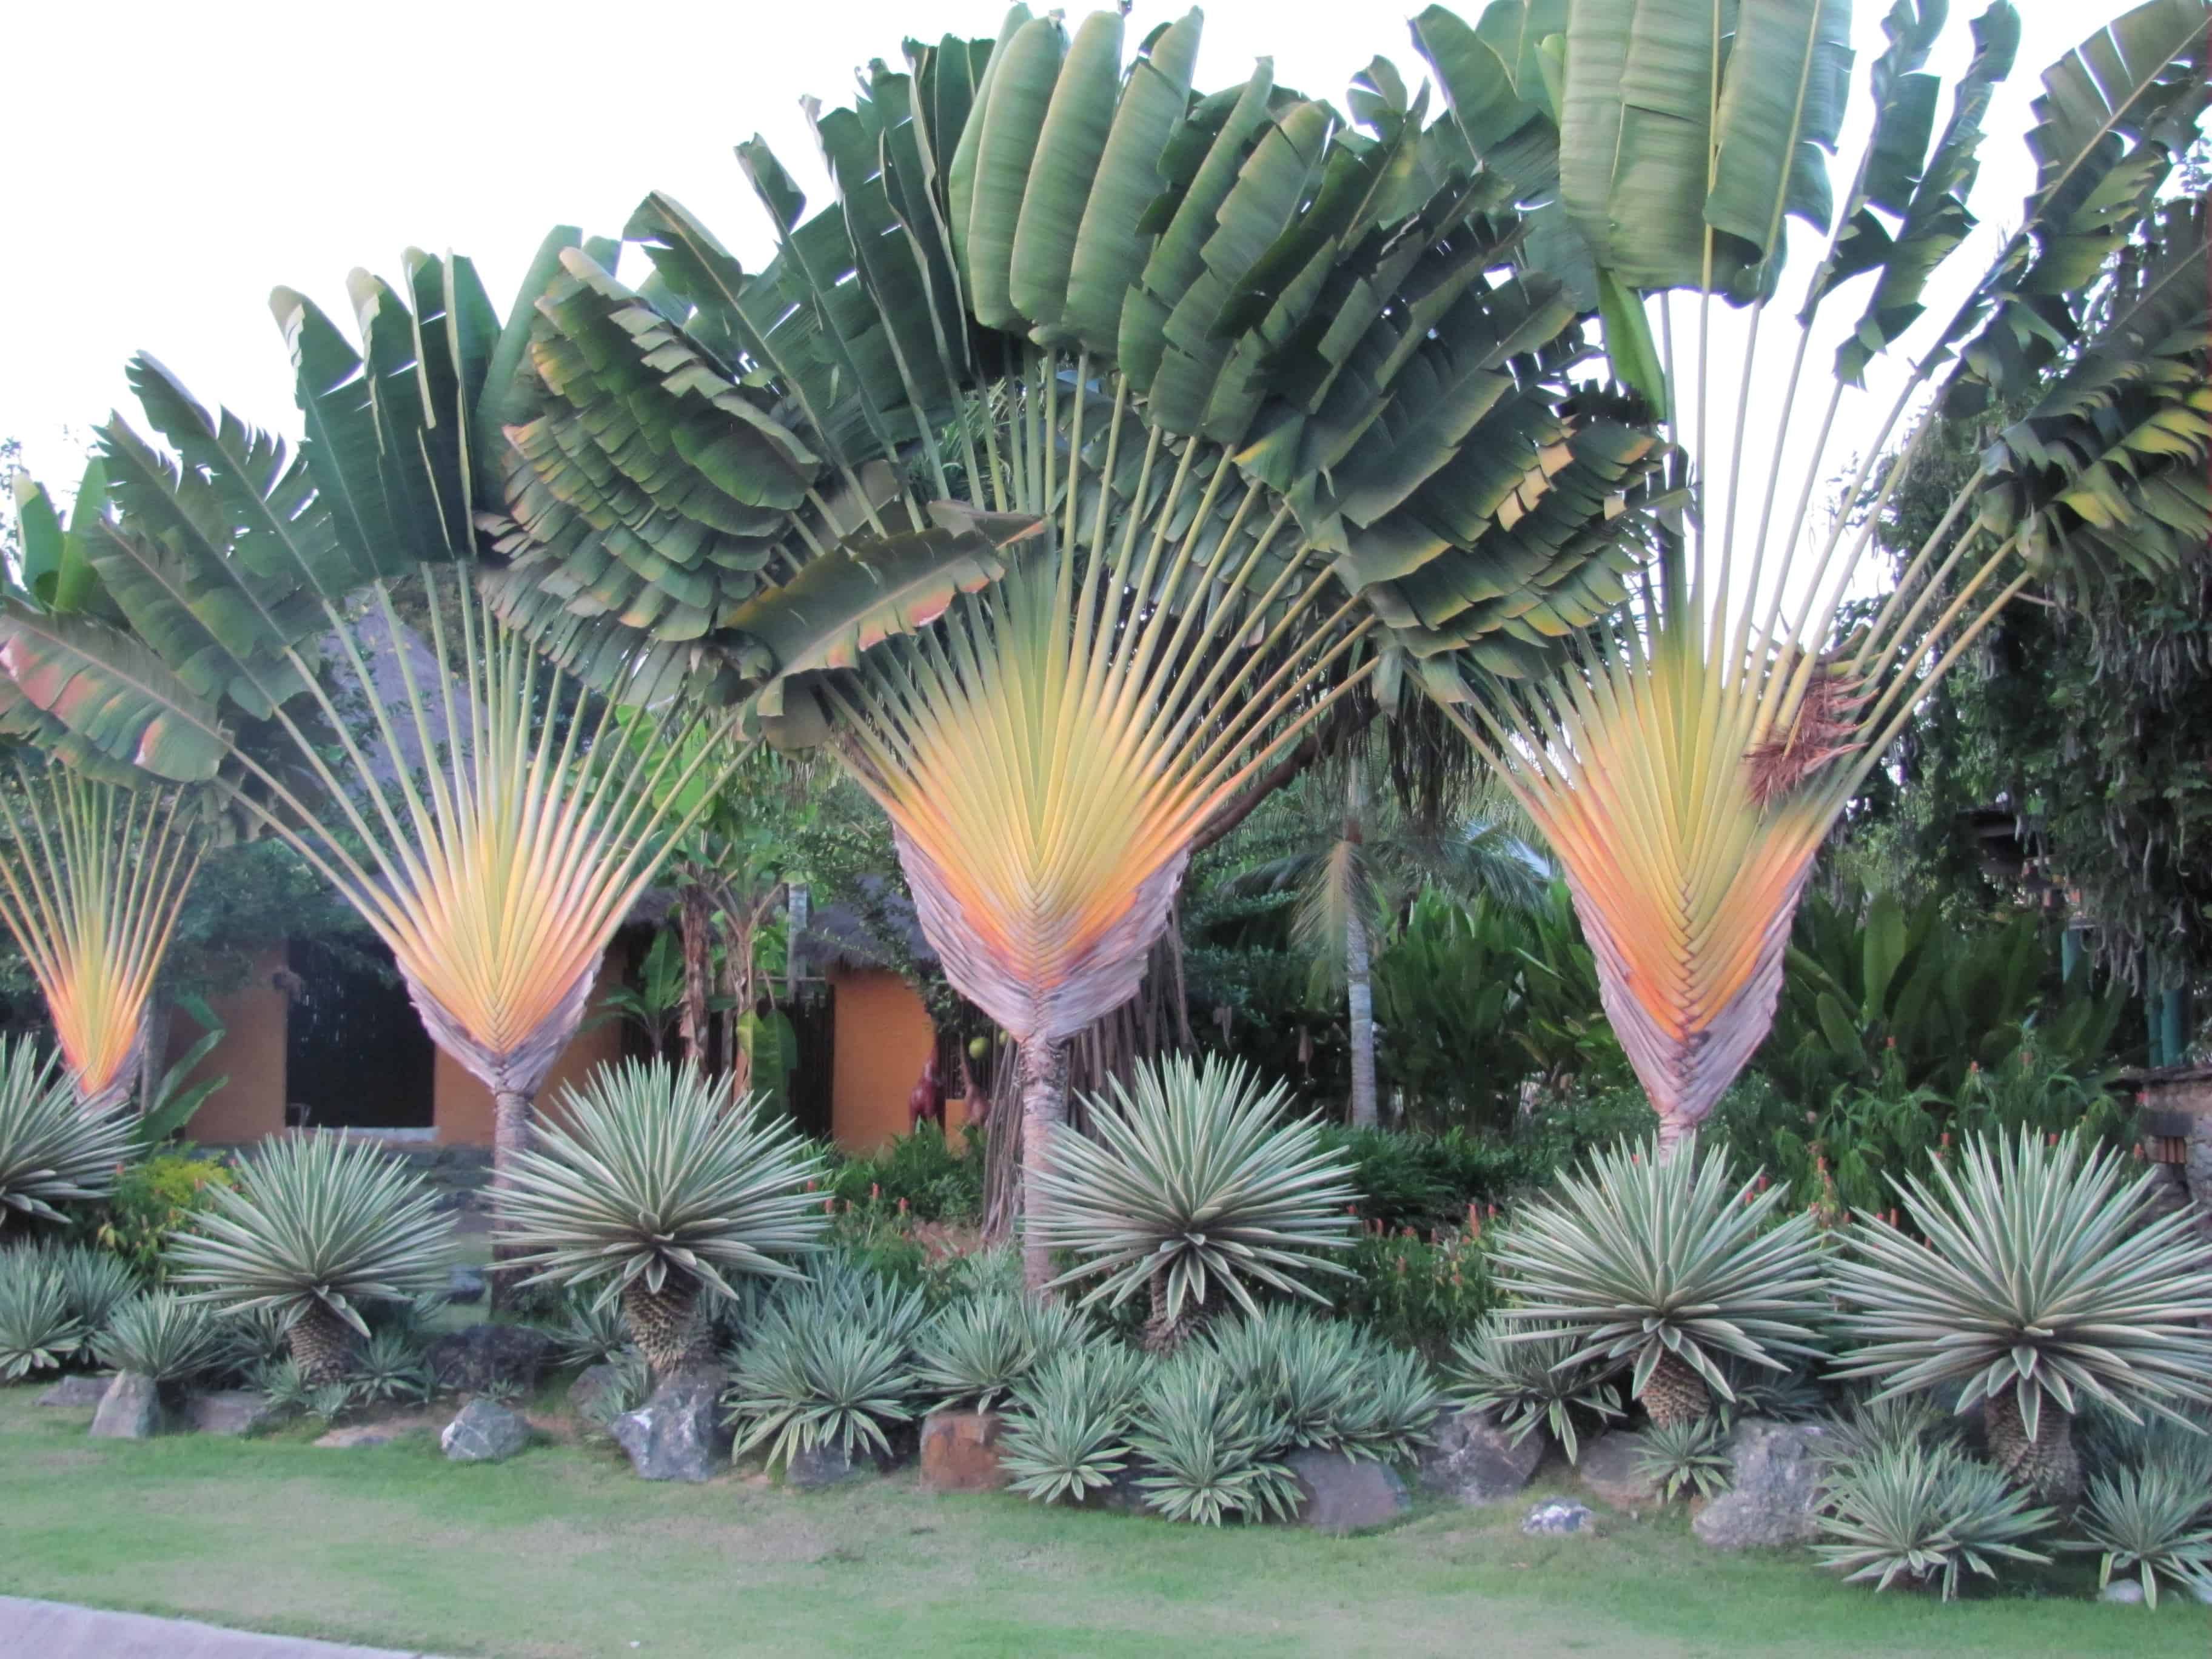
x,y
390,1366
50,1153
161,1196
1208,1447
1423,1294
159,1334
1327,1384
96,1282
919,1175
976,1351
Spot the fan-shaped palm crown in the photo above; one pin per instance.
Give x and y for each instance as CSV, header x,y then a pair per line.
x,y
1669,1265
315,1225
51,1151
1192,1186
654,1186
2045,1283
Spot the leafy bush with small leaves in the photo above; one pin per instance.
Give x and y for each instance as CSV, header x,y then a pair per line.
x,y
972,1353
830,1362
1670,1266
1917,1514
2154,1522
156,1198
1068,1436
1207,1445
95,1282
159,1334
1693,1455
39,1329
50,1153
1528,1381
1418,1292
390,1365
921,1175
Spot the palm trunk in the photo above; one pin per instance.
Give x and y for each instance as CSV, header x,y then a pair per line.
x,y
1359,1003
1044,1109
696,927
1674,1135
738,988
798,909
510,1138
1165,1334
154,1048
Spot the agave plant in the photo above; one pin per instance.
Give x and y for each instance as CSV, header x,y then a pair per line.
x,y
1067,1433
390,1365
1210,1447
1528,1381
96,1282
316,1226
977,1353
1870,1427
1192,1186
657,1189
50,1153
1687,768
39,1329
2154,1522
829,1364
92,877
159,1334
1691,1455
1918,1513
1668,1266
1328,1384
593,1331
2045,1283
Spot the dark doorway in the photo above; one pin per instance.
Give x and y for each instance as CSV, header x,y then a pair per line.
x,y
813,1014
355,1053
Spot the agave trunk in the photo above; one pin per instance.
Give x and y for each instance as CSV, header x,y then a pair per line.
x,y
1675,1394
322,1345
2047,1464
1165,1333
666,1324
1043,1064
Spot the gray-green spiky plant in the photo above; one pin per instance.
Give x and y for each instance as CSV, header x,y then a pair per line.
x,y
1531,1381
657,1189
975,1353
1668,1267
1328,1384
38,1329
2155,1522
50,1153
1069,1434
2044,1283
159,1334
316,1226
1210,1446
96,1282
1690,1455
830,1362
1919,1514
1194,1189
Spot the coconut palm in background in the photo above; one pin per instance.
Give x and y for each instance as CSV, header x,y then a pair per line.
x,y
1259,403
92,877
1686,768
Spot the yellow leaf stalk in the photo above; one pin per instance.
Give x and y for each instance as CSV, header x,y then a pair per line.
x,y
92,877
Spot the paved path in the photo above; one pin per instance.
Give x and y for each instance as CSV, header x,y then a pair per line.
x,y
54,1630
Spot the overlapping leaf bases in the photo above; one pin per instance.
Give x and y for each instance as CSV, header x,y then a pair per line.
x,y
1335,312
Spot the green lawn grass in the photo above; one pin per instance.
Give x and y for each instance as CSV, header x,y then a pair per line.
x,y
562,1552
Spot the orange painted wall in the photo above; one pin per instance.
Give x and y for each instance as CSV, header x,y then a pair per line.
x,y
884,1038
251,1054
461,1106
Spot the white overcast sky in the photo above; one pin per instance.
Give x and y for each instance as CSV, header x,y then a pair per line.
x,y
167,165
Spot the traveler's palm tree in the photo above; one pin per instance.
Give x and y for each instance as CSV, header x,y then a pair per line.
x,y
1686,766
1259,403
